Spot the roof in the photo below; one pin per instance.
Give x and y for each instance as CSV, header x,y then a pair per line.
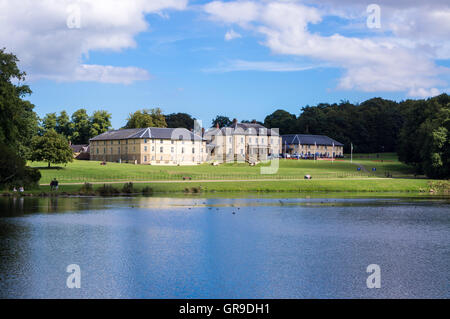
x,y
79,148
242,129
149,132
310,140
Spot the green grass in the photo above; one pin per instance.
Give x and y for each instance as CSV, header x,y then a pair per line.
x,y
337,176
87,171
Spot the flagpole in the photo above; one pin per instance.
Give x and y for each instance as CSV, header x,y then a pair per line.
x,y
351,152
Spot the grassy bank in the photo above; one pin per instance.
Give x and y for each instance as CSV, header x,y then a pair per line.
x,y
367,173
87,171
417,186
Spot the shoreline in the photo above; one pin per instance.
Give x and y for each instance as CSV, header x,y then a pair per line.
x,y
369,187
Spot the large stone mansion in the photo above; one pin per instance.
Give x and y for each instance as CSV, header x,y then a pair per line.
x,y
240,142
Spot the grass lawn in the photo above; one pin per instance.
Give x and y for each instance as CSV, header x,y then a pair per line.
x,y
337,176
87,171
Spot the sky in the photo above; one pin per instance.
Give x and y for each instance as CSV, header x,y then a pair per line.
x,y
241,59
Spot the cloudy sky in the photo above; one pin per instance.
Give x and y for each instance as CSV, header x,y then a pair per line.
x,y
238,58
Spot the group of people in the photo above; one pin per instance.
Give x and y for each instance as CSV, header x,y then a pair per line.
x,y
54,185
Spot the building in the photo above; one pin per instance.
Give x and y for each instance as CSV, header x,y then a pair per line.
x,y
80,152
307,146
242,142
153,146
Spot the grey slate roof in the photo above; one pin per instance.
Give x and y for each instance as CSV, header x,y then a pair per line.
x,y
304,139
149,132
242,129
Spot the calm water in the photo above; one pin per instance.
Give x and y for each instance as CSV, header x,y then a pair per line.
x,y
197,248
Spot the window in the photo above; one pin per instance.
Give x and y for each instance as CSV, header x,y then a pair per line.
x,y
104,142
153,141
172,142
118,149
193,150
230,139
104,150
153,148
126,142
242,151
153,158
97,150
145,158
201,150
229,151
250,140
111,150
145,148
193,159
242,140
172,149
262,140
145,141
118,142
182,150
161,149
161,141
271,141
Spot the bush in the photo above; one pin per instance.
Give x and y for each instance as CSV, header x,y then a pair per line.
x,y
147,190
106,190
87,189
128,188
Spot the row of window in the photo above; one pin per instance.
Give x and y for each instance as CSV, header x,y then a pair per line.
x,y
161,141
161,159
161,150
230,140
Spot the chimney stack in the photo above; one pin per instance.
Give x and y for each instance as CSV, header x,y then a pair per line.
x,y
234,121
203,131
254,121
217,126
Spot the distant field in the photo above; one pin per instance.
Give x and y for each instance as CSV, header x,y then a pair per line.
x,y
87,171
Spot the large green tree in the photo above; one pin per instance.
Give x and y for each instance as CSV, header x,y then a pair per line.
x,y
81,127
100,122
180,120
425,136
282,120
52,148
222,121
146,118
18,121
63,125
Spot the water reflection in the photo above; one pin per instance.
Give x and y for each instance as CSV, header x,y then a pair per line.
x,y
223,248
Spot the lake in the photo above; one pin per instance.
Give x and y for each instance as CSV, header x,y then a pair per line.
x,y
194,247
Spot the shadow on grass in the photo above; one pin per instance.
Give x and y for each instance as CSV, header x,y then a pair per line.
x,y
46,168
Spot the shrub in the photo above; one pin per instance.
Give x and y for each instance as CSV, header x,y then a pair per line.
x,y
127,188
87,189
106,190
147,190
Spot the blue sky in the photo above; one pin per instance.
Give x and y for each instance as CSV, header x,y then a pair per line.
x,y
184,63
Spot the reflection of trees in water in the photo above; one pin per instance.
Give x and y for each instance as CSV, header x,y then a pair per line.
x,y
17,206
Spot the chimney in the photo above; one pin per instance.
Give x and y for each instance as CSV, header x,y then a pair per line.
x,y
217,126
234,121
254,121
203,131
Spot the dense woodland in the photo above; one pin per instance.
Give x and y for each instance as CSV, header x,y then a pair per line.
x,y
418,130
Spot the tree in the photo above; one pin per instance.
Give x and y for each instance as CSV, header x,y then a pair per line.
x,y
13,169
63,124
51,148
81,127
18,121
49,122
282,120
425,136
100,122
222,121
146,118
180,120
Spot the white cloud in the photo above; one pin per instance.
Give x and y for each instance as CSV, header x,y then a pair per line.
x,y
401,62
423,93
38,33
266,66
231,35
